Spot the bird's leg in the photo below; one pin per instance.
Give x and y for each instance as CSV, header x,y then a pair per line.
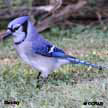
x,y
40,80
38,76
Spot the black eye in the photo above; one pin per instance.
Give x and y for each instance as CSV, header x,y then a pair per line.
x,y
10,29
16,28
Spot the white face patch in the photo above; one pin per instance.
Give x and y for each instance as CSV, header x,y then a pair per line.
x,y
19,35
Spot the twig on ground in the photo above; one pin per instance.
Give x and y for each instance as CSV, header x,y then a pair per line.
x,y
60,16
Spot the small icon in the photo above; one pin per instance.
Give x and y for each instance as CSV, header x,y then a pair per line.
x,y
93,103
11,102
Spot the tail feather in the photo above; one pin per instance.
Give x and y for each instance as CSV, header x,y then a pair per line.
x,y
78,61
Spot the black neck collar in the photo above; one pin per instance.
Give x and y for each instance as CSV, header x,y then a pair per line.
x,y
17,43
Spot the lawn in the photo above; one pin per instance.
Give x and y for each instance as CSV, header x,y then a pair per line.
x,y
69,86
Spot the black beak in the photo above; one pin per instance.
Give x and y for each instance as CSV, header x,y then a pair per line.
x,y
5,35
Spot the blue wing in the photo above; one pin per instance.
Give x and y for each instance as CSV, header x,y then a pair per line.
x,y
43,47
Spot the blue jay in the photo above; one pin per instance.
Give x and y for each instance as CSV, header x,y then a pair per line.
x,y
36,51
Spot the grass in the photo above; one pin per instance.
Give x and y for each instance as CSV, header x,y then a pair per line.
x,y
68,87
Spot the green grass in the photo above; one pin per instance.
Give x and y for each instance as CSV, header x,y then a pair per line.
x,y
67,87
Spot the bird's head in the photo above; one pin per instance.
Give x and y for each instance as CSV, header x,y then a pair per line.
x,y
18,29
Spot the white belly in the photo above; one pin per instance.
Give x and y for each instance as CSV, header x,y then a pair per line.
x,y
37,61
41,63
22,53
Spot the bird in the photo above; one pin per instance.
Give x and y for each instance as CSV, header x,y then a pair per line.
x,y
37,51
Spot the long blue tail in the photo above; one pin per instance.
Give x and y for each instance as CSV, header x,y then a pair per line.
x,y
78,61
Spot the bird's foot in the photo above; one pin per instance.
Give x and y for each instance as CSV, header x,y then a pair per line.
x,y
40,82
